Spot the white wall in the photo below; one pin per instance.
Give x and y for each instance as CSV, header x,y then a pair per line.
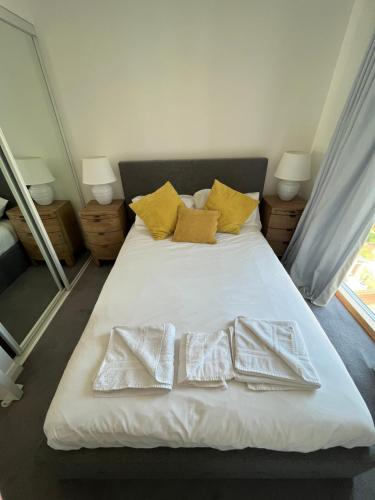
x,y
356,41
174,78
20,7
26,115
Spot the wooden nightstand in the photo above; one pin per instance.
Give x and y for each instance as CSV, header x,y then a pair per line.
x,y
61,225
104,229
279,220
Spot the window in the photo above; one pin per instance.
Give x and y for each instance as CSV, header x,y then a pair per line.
x,y
358,289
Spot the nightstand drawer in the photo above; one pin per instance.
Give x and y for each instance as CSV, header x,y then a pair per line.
x,y
105,238
26,237
32,249
106,252
51,224
20,225
283,211
279,234
99,223
278,247
61,251
56,238
283,221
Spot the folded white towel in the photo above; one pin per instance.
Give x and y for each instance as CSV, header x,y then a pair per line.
x,y
205,359
138,357
271,356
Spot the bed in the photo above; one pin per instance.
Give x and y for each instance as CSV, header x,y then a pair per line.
x,y
194,432
13,260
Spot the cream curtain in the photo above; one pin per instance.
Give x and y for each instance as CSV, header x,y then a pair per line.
x,y
341,209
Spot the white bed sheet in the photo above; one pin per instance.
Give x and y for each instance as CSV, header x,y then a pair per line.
x,y
203,288
7,236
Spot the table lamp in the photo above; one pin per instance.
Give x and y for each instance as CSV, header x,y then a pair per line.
x,y
294,168
37,175
97,172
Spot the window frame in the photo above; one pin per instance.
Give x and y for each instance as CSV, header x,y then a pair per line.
x,y
360,312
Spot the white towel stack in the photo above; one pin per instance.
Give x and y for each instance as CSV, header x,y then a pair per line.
x,y
265,355
138,358
271,356
205,359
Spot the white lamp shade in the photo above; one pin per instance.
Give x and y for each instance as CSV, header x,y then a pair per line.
x,y
294,166
97,171
34,171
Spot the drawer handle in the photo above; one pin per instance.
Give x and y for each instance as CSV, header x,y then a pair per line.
x,y
101,234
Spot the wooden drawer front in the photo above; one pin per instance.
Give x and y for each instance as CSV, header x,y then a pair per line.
x,y
33,250
279,234
34,253
283,221
20,225
26,237
101,224
278,247
282,211
62,251
106,252
51,224
103,238
56,238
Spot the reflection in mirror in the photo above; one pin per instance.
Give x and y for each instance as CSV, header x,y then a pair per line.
x,y
26,285
31,129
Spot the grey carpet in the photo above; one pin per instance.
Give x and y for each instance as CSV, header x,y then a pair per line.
x,y
348,337
21,423
33,290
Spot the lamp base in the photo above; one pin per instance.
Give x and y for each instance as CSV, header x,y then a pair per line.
x,y
287,190
103,193
41,194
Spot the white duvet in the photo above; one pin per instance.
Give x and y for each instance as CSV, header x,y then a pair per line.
x,y
203,288
7,236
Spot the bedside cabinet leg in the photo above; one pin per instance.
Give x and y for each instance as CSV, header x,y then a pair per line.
x,y
96,261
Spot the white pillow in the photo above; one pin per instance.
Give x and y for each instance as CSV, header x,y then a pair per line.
x,y
200,198
3,204
186,198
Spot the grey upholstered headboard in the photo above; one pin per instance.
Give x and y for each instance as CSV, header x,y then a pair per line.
x,y
188,176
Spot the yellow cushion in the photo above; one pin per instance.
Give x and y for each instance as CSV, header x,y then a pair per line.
x,y
234,207
196,226
158,210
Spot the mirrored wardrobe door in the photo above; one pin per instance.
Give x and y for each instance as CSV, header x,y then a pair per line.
x,y
27,285
31,129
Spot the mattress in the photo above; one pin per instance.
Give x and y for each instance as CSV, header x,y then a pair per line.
x,y
7,236
202,288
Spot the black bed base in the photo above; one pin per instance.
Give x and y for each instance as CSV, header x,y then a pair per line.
x,y
12,264
205,463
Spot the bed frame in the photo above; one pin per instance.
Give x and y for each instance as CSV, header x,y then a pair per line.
x,y
188,176
14,261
